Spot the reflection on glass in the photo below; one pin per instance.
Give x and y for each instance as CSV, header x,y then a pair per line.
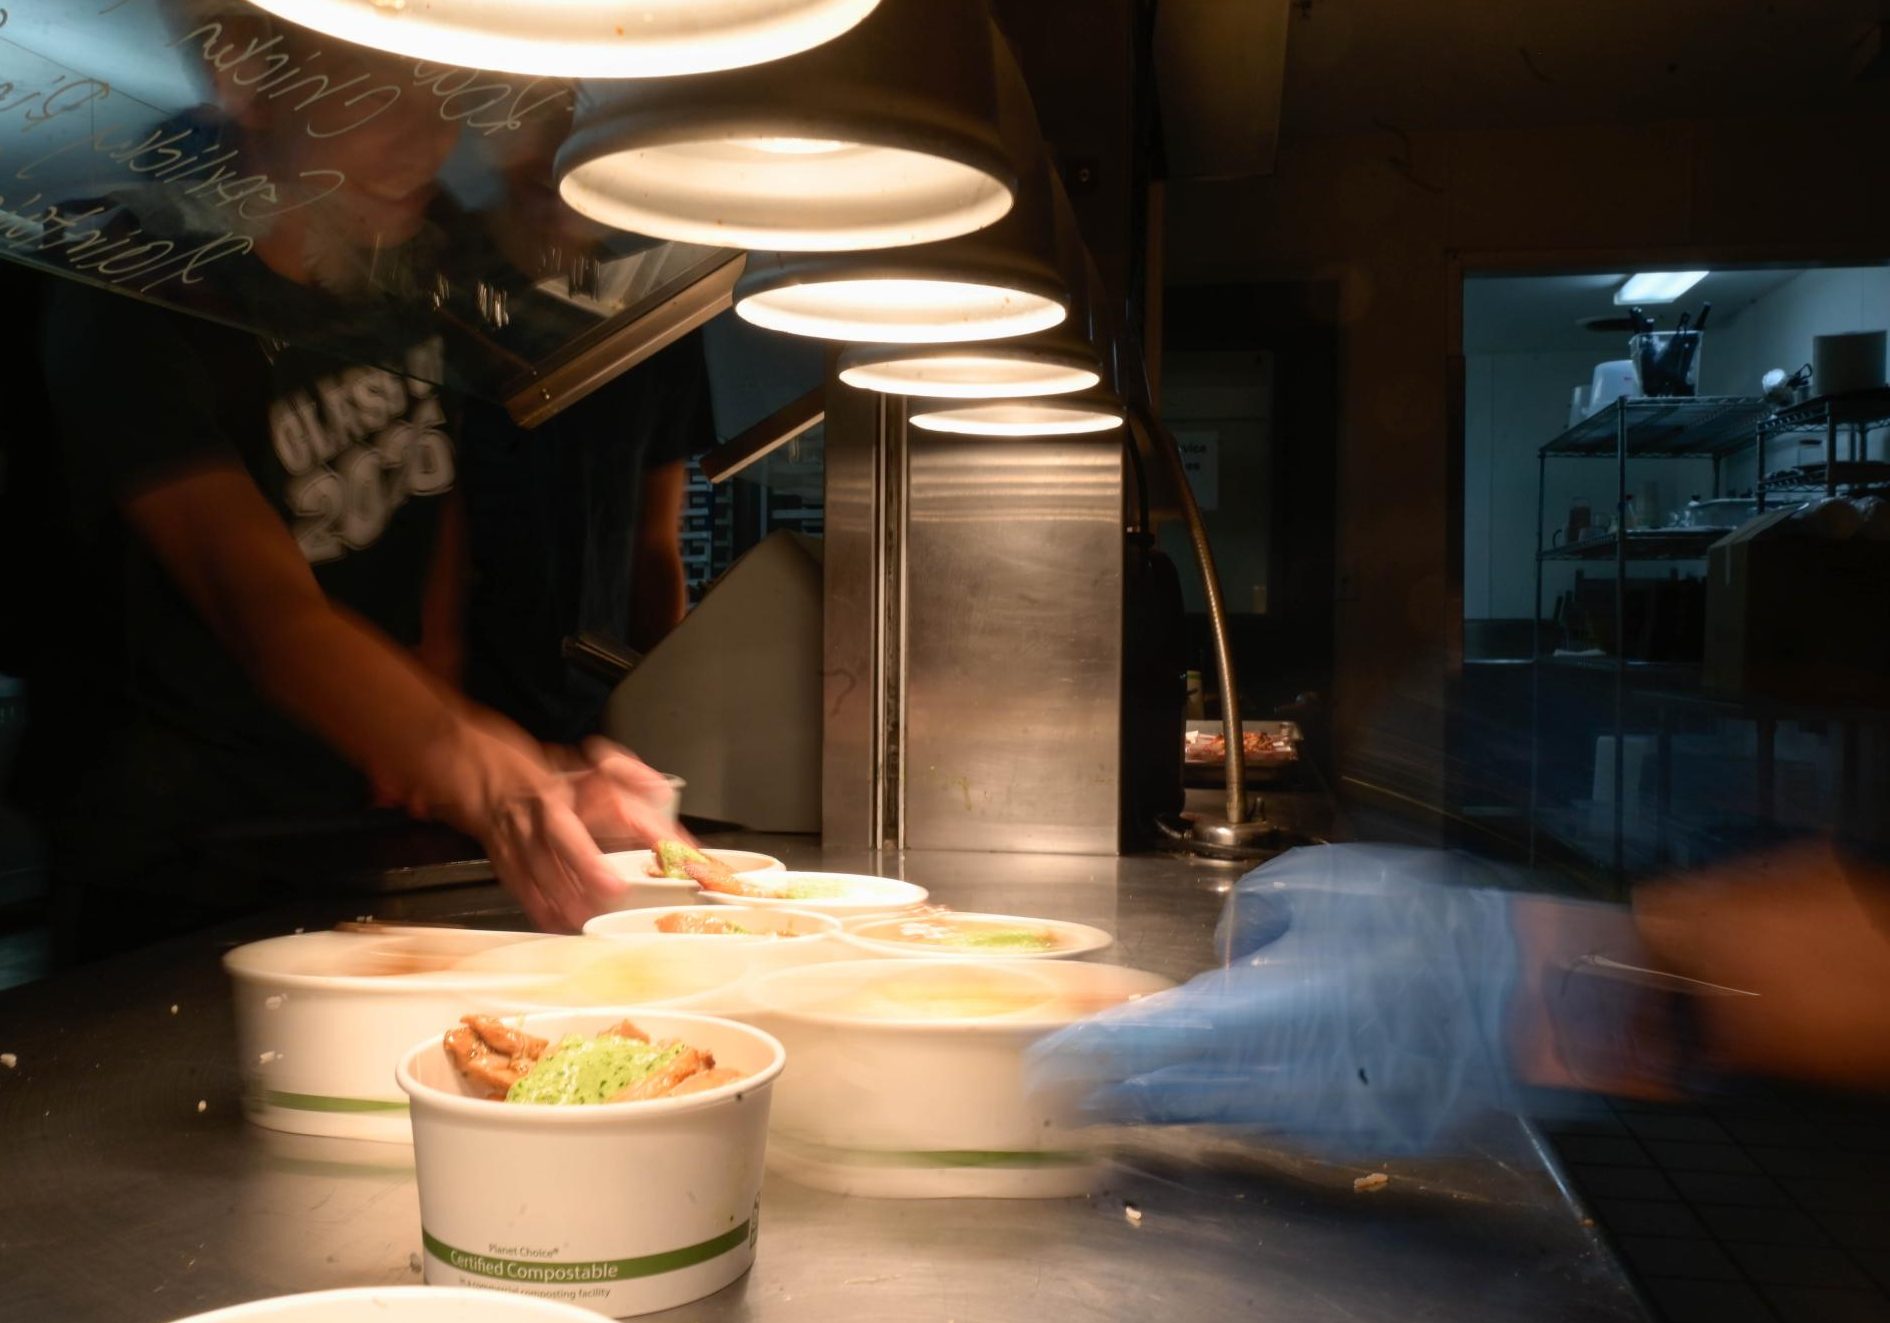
x,y
206,155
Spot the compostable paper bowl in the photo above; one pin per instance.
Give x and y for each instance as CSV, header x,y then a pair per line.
x,y
624,1208
908,1077
571,973
879,935
785,938
322,1017
633,866
398,1304
858,893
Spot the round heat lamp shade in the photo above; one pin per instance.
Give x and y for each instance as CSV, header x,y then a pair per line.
x,y
836,194
896,308
973,372
582,38
1022,418
888,137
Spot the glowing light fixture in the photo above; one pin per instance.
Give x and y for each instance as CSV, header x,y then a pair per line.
x,y
1657,287
1022,418
887,137
1061,361
582,38
996,284
973,372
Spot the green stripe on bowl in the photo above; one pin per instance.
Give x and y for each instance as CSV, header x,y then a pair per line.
x,y
538,1272
315,1102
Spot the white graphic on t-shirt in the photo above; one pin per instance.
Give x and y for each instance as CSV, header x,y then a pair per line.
x,y
357,444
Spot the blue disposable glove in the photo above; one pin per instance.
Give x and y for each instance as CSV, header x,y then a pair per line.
x,y
1362,1009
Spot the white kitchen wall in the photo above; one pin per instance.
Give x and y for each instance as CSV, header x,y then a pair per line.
x,y
1777,331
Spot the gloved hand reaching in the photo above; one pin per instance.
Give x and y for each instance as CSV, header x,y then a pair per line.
x,y
1363,1008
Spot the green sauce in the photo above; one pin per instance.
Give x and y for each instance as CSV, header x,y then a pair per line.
x,y
813,891
580,1071
1004,939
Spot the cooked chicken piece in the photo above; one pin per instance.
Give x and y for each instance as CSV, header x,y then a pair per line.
x,y
658,1084
703,1081
713,876
492,1053
625,1029
701,925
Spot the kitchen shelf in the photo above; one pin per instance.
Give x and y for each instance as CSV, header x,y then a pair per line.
x,y
1648,544
1812,477
1711,428
1864,408
1698,428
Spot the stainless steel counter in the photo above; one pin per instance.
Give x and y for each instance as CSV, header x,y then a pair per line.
x,y
131,1189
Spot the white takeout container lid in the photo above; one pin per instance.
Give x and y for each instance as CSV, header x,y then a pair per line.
x,y
854,994
1073,939
772,923
865,894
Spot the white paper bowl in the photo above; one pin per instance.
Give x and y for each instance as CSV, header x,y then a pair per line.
x,y
633,866
876,935
795,937
635,1207
889,1101
399,1304
864,894
573,973
317,1044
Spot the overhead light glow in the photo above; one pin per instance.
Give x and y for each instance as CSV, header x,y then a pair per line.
x,y
583,38
900,311
794,146
786,194
1657,287
1021,418
986,372
891,136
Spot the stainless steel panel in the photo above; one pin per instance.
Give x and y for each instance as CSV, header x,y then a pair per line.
x,y
1013,657
126,1203
850,670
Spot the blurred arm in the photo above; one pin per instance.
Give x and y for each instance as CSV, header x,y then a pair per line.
x,y
369,699
659,593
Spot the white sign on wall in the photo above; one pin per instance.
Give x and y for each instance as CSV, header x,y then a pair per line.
x,y
1201,457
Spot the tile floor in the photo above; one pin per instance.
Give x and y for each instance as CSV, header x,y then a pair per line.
x,y
1771,1209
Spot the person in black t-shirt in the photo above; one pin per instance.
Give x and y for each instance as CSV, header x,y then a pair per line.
x,y
576,528
284,533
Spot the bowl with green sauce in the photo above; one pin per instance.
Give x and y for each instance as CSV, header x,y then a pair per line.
x,y
626,1207
844,895
945,935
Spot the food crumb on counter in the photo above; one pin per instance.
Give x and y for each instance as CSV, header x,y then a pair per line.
x,y
266,1058
274,1002
202,1106
1366,1184
413,1262
173,1008
1132,1214
8,1060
